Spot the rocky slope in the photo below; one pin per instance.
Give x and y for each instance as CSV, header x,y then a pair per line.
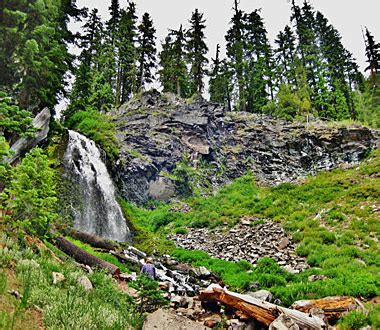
x,y
157,132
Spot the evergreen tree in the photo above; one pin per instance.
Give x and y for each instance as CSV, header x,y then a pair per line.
x,y
235,54
220,81
84,73
127,55
146,51
196,52
173,73
113,22
373,55
285,57
257,63
33,39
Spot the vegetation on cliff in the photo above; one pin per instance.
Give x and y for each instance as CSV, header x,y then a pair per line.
x,y
333,216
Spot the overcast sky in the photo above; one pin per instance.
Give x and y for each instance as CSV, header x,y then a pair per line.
x,y
347,16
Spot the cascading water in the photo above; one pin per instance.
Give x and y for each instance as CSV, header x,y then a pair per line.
x,y
98,211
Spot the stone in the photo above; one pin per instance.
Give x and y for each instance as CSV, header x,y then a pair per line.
x,y
85,283
235,324
313,278
283,323
283,243
58,277
131,292
128,277
263,295
166,319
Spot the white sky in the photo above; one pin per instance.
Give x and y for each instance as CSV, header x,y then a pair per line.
x,y
347,16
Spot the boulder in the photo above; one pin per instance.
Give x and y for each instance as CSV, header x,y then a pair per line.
x,y
166,319
263,295
283,323
85,283
58,277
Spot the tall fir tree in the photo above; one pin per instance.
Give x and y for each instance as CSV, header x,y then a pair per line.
x,y
196,52
235,54
146,52
34,39
285,57
84,72
220,87
257,63
127,83
174,73
372,51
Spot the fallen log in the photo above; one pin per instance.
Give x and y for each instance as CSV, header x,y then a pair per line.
x,y
332,307
261,311
84,257
94,240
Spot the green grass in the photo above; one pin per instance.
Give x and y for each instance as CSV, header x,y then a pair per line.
x,y
331,216
66,305
98,127
101,255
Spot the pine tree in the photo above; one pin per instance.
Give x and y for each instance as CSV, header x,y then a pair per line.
x,y
196,52
257,63
173,73
34,39
220,81
127,55
146,51
84,73
373,55
235,53
285,54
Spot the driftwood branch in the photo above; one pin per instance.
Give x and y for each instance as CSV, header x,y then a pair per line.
x,y
332,307
83,257
261,311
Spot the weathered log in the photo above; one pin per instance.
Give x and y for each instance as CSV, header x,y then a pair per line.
x,y
94,240
83,257
261,311
332,307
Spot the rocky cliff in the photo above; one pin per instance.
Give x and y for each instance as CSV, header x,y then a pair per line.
x,y
162,136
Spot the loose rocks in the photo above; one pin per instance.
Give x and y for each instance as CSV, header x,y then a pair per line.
x,y
245,242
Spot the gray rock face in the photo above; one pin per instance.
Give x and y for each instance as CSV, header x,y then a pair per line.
x,y
24,144
159,131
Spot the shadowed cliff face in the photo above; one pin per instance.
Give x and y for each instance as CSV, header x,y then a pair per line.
x,y
159,131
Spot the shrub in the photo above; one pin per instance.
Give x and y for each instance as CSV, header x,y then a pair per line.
x,y
32,194
353,320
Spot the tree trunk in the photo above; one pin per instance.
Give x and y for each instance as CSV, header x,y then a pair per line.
x,y
333,307
261,311
83,257
94,240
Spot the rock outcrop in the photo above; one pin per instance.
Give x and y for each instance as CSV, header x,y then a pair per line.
x,y
41,123
159,131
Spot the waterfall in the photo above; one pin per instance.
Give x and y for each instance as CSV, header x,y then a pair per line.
x,y
94,204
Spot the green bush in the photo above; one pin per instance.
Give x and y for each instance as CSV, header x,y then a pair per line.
x,y
32,194
353,320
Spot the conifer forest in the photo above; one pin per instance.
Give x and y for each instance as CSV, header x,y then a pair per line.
x,y
156,179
